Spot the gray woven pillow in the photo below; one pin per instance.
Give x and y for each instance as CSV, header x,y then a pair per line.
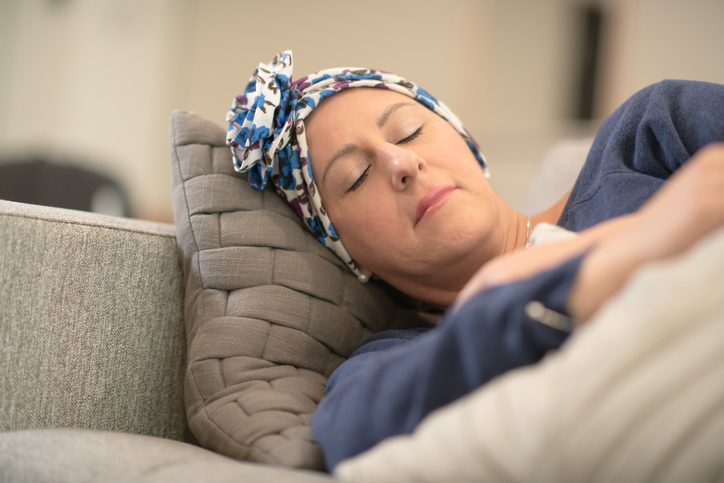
x,y
269,312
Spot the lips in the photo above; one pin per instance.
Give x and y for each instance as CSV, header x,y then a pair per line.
x,y
432,201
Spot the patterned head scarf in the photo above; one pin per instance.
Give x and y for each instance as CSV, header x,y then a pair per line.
x,y
267,136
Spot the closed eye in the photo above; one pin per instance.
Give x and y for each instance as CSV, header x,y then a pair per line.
x,y
360,180
411,136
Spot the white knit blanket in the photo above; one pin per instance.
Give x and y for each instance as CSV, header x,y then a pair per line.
x,y
637,395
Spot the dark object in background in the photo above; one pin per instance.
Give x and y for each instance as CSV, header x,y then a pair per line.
x,y
43,183
591,18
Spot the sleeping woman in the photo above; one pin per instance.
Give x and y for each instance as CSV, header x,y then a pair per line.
x,y
387,177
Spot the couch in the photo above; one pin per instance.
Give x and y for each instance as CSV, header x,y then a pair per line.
x,y
129,347
93,354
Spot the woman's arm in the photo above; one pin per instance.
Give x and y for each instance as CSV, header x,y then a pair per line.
x,y
689,205
522,264
386,391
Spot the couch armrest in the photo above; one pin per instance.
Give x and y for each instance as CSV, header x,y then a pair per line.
x,y
91,329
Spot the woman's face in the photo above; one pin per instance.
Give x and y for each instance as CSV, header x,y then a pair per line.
x,y
405,193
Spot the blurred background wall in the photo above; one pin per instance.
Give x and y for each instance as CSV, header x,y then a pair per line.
x,y
92,83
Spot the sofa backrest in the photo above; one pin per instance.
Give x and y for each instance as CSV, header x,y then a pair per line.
x,y
91,328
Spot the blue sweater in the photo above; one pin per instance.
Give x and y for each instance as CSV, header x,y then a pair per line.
x,y
395,378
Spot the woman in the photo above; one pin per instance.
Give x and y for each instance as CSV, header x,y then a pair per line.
x,y
388,178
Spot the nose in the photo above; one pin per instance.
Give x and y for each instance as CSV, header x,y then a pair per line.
x,y
403,165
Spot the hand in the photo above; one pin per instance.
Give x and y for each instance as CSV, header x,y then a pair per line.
x,y
516,265
523,263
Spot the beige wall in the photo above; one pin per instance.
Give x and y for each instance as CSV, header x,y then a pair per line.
x,y
651,40
442,46
98,79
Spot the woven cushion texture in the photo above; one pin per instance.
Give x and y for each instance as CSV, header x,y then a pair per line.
x,y
270,313
91,334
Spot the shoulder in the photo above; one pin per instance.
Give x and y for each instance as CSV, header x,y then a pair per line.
x,y
389,339
640,145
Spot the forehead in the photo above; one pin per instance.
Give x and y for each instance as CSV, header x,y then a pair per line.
x,y
355,104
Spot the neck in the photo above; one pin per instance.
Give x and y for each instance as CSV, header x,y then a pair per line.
x,y
513,231
552,214
516,230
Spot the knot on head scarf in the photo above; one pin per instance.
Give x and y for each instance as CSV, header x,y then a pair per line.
x,y
267,137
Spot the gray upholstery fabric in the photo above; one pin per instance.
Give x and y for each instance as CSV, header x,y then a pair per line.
x,y
269,312
83,456
91,331
555,174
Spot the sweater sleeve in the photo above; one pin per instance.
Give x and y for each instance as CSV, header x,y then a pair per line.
x,y
640,145
394,380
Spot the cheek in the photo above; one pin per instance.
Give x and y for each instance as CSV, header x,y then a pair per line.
x,y
452,149
366,228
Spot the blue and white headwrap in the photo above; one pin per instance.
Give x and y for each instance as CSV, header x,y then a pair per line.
x,y
267,136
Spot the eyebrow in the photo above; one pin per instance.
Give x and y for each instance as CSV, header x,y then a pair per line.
x,y
388,112
347,149
351,148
